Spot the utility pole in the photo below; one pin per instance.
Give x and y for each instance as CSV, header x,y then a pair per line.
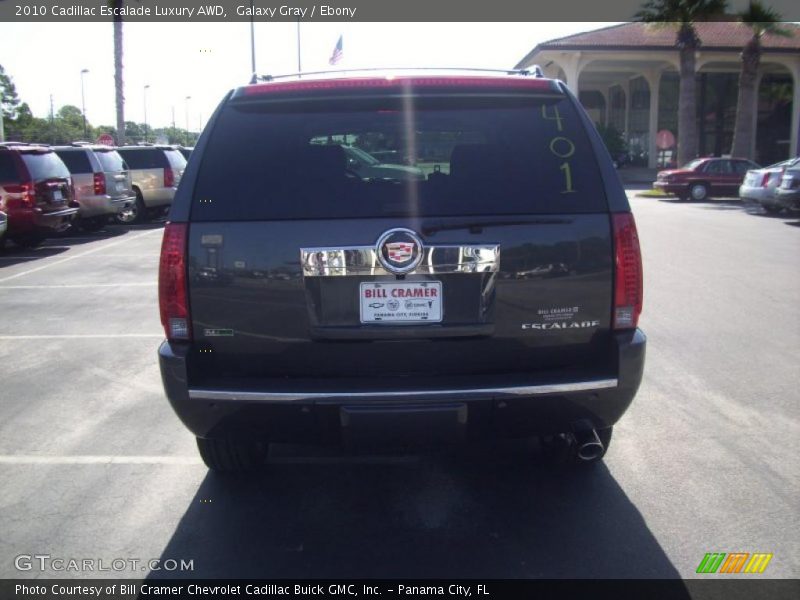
x,y
188,138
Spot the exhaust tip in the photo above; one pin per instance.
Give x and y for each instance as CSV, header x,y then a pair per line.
x,y
588,446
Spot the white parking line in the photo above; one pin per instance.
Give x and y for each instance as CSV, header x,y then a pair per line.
x,y
81,336
78,285
28,459
73,257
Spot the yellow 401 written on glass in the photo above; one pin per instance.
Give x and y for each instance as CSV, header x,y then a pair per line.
x,y
562,147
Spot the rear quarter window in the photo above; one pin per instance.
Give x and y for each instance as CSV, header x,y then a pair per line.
x,y
76,160
8,168
478,157
44,165
144,158
176,159
110,160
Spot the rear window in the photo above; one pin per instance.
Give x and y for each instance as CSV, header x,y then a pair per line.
x,y
8,168
110,160
145,158
375,159
176,159
76,160
44,165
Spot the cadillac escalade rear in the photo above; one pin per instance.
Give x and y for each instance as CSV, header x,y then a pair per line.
x,y
487,282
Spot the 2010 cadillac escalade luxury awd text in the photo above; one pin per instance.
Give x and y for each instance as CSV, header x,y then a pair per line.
x,y
494,293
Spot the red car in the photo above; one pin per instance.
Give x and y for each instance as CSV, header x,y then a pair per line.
x,y
705,177
35,192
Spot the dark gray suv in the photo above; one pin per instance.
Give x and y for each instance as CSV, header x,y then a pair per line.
x,y
496,294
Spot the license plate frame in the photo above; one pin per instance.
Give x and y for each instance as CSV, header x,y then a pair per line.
x,y
400,302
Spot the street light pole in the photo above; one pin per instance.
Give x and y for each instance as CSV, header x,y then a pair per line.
x,y
147,87
83,102
188,139
2,129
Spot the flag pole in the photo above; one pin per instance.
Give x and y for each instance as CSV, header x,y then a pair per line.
x,y
299,64
253,75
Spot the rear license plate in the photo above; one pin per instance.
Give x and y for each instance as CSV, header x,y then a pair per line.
x,y
57,195
401,302
120,187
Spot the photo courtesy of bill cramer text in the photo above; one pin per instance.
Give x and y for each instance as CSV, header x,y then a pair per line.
x,y
106,590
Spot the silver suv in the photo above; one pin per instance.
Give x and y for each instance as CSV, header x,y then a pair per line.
x,y
102,182
156,172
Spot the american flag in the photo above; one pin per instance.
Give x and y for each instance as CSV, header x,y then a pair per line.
x,y
337,53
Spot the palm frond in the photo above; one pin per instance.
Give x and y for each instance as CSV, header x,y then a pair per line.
x,y
680,11
763,20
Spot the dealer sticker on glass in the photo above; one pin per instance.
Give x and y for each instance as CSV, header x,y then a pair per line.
x,y
401,302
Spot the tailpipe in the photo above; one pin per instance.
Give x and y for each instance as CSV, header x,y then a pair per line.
x,y
588,446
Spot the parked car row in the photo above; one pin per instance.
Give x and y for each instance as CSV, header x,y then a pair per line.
x,y
46,190
776,187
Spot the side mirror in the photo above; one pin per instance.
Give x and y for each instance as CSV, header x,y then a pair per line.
x,y
352,163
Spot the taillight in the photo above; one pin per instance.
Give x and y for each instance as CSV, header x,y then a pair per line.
x,y
765,179
27,194
173,298
628,276
169,177
99,184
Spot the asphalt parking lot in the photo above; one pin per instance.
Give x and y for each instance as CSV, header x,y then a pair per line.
x,y
94,464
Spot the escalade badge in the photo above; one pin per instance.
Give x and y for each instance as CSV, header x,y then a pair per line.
x,y
399,251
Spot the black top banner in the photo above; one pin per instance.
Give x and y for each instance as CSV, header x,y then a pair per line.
x,y
342,10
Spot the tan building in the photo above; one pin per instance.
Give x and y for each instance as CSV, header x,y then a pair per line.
x,y
627,76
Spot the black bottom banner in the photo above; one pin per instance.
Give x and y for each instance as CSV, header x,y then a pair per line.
x,y
162,589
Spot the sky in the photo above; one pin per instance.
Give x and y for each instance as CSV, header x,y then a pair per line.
x,y
205,60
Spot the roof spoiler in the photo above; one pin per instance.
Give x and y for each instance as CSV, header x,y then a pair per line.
x,y
533,71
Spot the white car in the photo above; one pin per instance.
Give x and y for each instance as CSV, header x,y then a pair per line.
x,y
3,226
366,166
761,185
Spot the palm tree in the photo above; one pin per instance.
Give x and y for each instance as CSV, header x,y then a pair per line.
x,y
682,16
118,84
762,21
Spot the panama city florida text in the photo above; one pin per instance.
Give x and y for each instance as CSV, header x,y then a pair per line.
x,y
209,10
270,589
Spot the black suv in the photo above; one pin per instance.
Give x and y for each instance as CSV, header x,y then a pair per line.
x,y
490,285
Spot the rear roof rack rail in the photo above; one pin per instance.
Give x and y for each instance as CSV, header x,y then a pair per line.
x,y
15,144
534,71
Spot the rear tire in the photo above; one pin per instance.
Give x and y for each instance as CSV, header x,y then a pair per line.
x,y
558,452
135,214
231,456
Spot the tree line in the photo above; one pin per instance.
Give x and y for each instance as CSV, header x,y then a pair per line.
x,y
66,124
